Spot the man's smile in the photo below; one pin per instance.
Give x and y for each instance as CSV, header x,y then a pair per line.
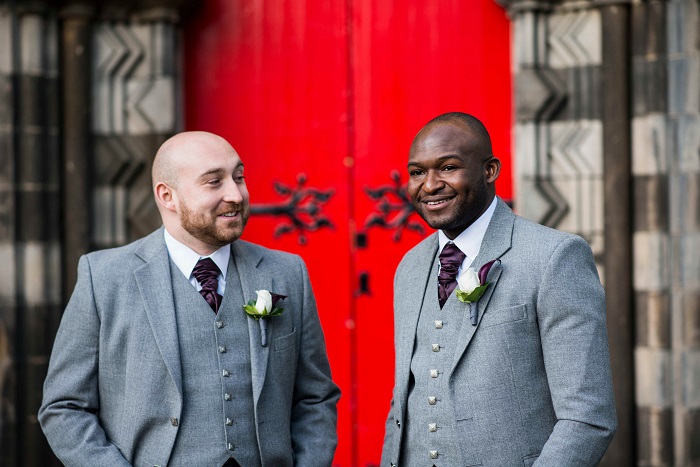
x,y
434,204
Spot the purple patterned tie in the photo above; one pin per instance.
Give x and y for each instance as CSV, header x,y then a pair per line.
x,y
207,273
451,259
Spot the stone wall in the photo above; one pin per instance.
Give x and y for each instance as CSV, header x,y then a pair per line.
x,y
607,145
666,239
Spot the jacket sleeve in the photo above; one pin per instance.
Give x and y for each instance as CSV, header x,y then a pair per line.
x,y
389,448
70,406
572,322
314,413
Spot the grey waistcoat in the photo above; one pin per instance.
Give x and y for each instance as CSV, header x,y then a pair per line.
x,y
429,431
217,419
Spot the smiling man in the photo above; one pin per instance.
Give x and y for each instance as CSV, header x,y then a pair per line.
x,y
156,363
508,366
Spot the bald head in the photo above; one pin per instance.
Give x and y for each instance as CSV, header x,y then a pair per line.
x,y
177,150
467,122
452,172
200,190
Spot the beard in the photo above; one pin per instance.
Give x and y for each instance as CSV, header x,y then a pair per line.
x,y
468,207
203,226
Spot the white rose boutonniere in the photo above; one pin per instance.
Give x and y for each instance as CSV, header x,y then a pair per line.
x,y
261,309
471,286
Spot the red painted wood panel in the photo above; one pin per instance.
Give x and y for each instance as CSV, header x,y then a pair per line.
x,y
336,90
413,60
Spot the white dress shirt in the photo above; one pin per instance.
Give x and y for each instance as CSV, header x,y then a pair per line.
x,y
186,259
469,241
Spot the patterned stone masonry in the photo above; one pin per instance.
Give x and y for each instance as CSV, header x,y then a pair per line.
x,y
558,133
135,108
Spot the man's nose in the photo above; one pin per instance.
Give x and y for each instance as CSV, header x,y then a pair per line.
x,y
432,182
233,193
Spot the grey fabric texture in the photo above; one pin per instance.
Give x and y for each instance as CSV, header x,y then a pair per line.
x,y
209,345
114,390
530,384
420,440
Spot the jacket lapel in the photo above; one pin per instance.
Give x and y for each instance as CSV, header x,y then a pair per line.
x,y
497,241
253,275
155,286
409,306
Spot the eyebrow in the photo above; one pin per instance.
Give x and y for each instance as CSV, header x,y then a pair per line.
x,y
218,170
441,158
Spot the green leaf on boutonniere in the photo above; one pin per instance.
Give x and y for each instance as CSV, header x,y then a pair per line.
x,y
253,312
474,295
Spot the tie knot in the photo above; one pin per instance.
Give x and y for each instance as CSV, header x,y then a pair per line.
x,y
207,272
451,258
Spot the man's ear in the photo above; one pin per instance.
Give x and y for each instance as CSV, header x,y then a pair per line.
x,y
165,196
492,168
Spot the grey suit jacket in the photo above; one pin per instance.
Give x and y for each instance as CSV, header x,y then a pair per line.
x,y
530,383
114,380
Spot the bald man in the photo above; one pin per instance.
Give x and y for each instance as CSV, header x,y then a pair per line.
x,y
156,362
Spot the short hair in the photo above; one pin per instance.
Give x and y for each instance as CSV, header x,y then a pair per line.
x,y
471,122
162,170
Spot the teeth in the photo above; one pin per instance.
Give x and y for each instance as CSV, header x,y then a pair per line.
x,y
435,203
230,214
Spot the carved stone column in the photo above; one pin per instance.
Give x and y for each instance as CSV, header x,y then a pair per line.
x,y
572,155
136,106
666,174
77,138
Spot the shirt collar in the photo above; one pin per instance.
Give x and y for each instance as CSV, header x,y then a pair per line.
x,y
469,241
186,259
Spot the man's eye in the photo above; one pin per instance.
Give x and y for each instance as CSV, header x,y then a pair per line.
x,y
449,167
213,181
415,172
239,179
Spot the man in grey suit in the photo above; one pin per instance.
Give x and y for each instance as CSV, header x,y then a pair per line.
x,y
156,363
512,368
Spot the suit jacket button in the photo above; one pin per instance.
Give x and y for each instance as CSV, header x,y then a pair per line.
x,y
174,421
398,423
393,465
219,324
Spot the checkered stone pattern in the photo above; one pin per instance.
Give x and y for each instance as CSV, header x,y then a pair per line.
x,y
135,107
666,237
30,256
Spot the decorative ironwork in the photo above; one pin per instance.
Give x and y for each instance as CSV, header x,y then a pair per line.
x,y
402,210
303,207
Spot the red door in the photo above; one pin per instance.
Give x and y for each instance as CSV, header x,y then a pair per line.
x,y
322,100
